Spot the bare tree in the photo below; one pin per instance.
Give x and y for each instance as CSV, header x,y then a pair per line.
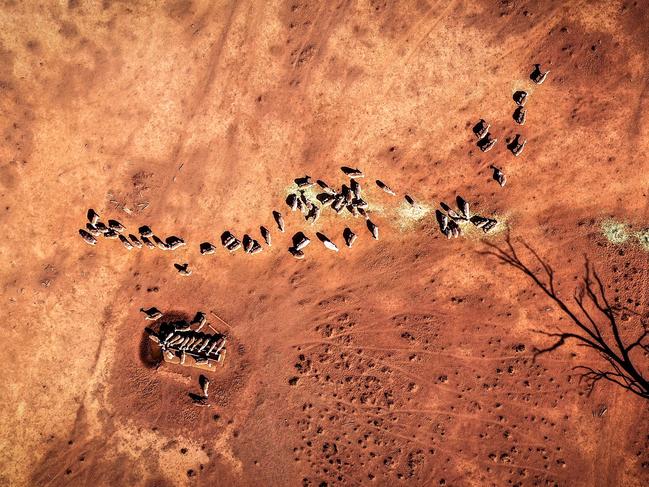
x,y
595,320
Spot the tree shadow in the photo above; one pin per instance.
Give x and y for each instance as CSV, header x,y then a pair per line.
x,y
595,320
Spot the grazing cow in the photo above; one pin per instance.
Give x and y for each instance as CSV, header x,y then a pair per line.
x,y
115,225
463,206
304,182
89,239
537,75
298,254
481,129
145,231
292,201
519,116
385,187
374,230
152,313
349,236
325,187
517,145
498,176
300,241
327,242
135,241
148,243
93,217
520,98
265,234
92,230
279,220
183,269
486,143
127,245
207,248
351,172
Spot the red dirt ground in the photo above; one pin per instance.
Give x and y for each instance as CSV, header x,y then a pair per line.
x,y
413,354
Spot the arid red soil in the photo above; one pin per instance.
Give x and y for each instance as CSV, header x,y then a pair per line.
x,y
403,361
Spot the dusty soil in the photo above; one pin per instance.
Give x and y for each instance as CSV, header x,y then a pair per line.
x,y
411,357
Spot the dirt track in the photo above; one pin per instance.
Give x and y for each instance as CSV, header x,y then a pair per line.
x,y
194,117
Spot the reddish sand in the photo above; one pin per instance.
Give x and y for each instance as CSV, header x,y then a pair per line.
x,y
411,356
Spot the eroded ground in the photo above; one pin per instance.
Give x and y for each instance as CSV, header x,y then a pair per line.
x,y
411,356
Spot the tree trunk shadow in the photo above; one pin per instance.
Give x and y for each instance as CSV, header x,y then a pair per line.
x,y
595,323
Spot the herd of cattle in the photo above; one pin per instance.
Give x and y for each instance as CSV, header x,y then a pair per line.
x,y
184,342
349,197
181,344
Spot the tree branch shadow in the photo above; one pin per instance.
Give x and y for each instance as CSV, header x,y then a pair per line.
x,y
595,322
